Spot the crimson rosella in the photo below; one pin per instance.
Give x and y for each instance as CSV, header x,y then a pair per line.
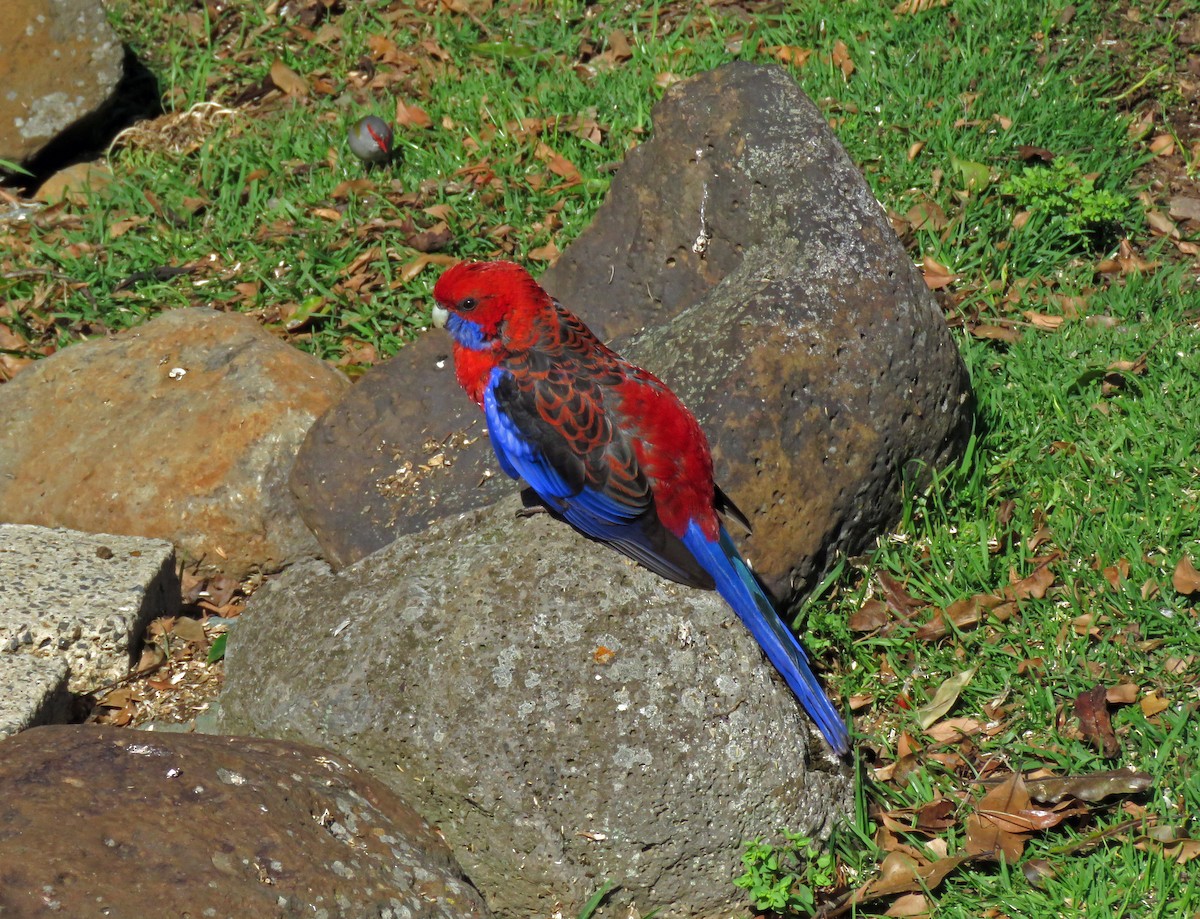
x,y
609,448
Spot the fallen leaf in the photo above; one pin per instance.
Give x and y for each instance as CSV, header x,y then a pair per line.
x,y
1181,207
909,904
900,873
996,827
546,253
1037,871
1121,694
944,699
1043,321
995,332
790,54
1093,788
287,80
412,116
870,616
557,163
1185,579
936,275
1092,711
1152,704
1162,145
953,730
841,59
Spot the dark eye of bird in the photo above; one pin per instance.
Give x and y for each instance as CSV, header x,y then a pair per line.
x,y
466,304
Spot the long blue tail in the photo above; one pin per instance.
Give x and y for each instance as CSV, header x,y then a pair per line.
x,y
737,585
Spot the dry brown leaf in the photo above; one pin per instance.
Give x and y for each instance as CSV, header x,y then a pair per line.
x,y
898,599
1035,585
841,59
1185,579
1162,145
1122,694
962,614
288,81
996,333
1116,574
1182,207
790,54
1161,224
412,116
936,274
909,904
1152,704
994,828
1043,321
557,163
870,616
954,730
901,873
417,265
927,215
546,253
1092,711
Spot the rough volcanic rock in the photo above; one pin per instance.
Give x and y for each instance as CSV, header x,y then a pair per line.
x,y
564,716
183,429
98,821
742,175
60,62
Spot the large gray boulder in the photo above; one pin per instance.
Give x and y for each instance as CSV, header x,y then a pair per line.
x,y
741,257
565,717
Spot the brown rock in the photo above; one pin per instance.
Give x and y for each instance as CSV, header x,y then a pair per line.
x,y
60,62
110,822
183,429
812,425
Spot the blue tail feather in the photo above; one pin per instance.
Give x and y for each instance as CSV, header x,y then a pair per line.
x,y
741,591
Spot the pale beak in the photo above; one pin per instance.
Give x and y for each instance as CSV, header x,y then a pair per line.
x,y
440,316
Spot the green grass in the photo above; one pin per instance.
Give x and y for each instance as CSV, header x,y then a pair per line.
x,y
934,112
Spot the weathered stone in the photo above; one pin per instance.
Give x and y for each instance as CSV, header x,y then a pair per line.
x,y
564,716
82,598
60,62
33,690
184,429
742,174
110,822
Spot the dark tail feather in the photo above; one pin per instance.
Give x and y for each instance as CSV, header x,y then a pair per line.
x,y
740,590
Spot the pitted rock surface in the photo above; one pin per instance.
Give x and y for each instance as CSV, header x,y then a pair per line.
x,y
60,63
98,821
564,716
81,598
742,175
183,429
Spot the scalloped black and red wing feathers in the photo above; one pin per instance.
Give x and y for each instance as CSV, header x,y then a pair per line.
x,y
609,448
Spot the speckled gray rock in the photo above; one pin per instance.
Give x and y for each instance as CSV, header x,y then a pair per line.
x,y
125,824
564,716
183,429
82,598
33,690
60,62
815,358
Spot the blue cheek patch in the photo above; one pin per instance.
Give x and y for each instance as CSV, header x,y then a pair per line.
x,y
466,333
